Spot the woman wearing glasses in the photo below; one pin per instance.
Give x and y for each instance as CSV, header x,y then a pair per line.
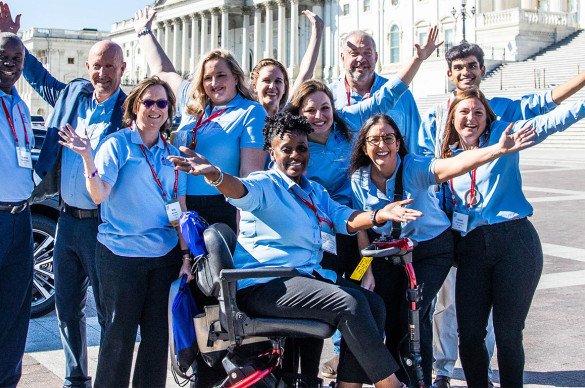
x,y
139,248
381,167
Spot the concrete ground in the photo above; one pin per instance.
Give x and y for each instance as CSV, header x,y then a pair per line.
x,y
554,339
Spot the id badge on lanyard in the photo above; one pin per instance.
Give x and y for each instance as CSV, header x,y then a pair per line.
x,y
471,198
328,242
173,208
24,157
23,153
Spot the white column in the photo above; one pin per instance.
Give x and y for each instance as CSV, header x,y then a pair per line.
x,y
558,5
194,42
268,49
225,16
204,43
527,4
318,9
184,43
167,45
294,38
245,54
499,5
176,53
327,40
257,42
281,55
214,33
335,36
158,32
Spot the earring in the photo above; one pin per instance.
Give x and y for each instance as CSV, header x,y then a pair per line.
x,y
271,164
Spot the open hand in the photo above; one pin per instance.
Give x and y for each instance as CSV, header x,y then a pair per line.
x,y
315,20
6,22
143,19
396,211
513,142
430,46
76,143
195,165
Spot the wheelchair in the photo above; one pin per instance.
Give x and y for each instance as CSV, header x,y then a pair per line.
x,y
250,349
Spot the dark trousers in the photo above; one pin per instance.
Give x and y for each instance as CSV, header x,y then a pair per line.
x,y
432,261
356,312
75,270
134,292
499,267
16,273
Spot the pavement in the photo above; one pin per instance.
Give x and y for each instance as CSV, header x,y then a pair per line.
x,y
554,339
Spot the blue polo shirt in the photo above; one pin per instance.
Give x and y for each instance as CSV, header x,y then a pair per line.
x,y
221,139
16,182
418,178
95,117
278,230
134,219
499,183
404,112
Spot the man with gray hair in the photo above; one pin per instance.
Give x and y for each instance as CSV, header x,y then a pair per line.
x,y
16,184
94,108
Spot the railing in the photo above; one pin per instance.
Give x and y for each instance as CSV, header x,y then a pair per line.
x,y
525,16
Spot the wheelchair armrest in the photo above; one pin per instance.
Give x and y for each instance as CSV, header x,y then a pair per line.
x,y
238,274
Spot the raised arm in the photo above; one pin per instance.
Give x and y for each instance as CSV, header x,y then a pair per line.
x,y
407,73
395,211
158,61
309,61
566,90
466,161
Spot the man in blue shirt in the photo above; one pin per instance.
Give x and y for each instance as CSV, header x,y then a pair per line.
x,y
360,81
16,184
466,69
93,107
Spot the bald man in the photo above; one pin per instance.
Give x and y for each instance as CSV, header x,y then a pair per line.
x,y
95,107
16,184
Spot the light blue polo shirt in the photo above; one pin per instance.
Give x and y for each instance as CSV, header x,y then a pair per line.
x,y
95,117
499,183
418,178
134,219
16,182
278,230
404,112
221,139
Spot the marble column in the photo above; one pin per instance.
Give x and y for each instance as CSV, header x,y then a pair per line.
x,y
499,5
257,34
245,50
528,4
204,43
268,47
225,16
213,35
281,35
318,10
158,32
328,39
194,42
167,45
294,38
176,51
185,44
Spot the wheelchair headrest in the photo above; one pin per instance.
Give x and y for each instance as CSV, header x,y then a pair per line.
x,y
220,241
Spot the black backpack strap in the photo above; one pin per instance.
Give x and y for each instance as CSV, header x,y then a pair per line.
x,y
398,196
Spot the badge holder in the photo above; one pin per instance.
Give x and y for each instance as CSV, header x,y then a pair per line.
x,y
173,208
24,157
399,252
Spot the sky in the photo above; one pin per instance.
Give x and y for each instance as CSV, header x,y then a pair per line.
x,y
74,14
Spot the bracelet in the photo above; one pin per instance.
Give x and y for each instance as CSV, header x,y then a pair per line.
x,y
146,31
92,175
373,219
216,182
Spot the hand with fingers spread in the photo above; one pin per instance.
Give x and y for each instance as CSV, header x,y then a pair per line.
x,y
430,46
512,142
396,211
195,165
143,19
6,22
75,142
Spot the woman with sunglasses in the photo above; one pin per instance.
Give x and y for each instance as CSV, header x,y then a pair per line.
x,y
139,249
382,167
498,250
218,118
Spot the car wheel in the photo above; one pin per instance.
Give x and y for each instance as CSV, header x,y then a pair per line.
x,y
43,293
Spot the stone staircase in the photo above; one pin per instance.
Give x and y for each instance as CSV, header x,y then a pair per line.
x,y
544,71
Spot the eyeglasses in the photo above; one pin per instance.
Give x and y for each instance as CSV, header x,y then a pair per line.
x,y
161,104
375,140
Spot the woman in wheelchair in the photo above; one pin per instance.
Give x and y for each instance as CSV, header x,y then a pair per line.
x,y
288,221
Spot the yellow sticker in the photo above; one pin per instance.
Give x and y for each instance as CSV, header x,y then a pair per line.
x,y
360,270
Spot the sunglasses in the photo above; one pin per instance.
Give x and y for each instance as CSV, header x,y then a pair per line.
x,y
375,140
161,104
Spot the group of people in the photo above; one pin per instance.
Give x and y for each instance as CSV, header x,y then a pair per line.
x,y
308,175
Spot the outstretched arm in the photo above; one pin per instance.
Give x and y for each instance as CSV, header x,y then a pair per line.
x,y
395,211
466,161
407,73
566,90
310,58
158,61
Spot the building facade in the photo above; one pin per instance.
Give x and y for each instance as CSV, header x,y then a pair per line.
x,y
63,53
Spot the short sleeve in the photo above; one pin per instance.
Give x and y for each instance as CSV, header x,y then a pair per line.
x,y
420,170
107,160
252,136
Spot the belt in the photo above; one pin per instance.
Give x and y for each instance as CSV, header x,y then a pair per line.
x,y
13,208
80,213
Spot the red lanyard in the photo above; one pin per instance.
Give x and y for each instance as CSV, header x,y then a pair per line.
x,y
200,124
348,90
11,124
158,182
471,191
312,206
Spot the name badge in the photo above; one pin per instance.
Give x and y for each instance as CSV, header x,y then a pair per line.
x,y
24,157
173,212
460,221
328,243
